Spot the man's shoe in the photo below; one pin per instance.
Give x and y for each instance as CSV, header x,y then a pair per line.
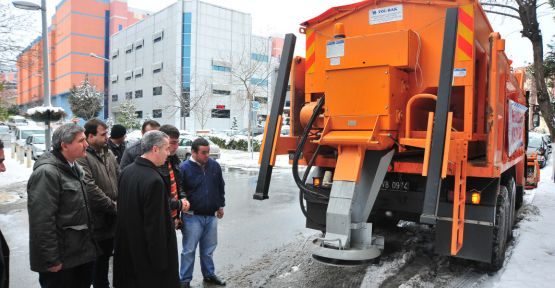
x,y
214,280
185,285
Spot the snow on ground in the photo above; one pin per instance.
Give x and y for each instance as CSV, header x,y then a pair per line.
x,y
249,161
532,259
15,173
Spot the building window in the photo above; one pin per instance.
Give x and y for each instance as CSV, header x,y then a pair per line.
x,y
115,98
139,114
120,27
157,90
221,68
114,78
157,37
128,75
129,48
157,67
139,44
157,113
128,95
115,53
138,72
139,94
259,57
221,92
261,100
221,113
259,82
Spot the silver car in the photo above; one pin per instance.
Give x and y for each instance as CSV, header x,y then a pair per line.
x,y
185,143
36,145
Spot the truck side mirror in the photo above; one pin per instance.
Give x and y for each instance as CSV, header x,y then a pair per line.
x,y
536,119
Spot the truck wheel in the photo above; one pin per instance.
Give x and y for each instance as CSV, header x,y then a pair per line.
x,y
500,230
511,188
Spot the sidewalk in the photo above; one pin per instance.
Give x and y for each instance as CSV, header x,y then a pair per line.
x,y
247,161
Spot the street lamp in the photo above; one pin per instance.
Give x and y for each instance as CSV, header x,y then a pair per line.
x,y
99,57
106,69
25,5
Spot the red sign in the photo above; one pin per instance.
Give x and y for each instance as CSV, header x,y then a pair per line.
x,y
220,107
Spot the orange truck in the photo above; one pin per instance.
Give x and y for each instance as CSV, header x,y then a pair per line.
x,y
402,110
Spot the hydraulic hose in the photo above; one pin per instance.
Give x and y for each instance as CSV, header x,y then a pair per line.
x,y
306,173
304,137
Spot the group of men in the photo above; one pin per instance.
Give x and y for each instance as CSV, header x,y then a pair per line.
x,y
91,197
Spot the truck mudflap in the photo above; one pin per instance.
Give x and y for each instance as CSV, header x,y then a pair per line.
x,y
478,232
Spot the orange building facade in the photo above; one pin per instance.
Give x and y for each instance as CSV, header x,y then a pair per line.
x,y
79,28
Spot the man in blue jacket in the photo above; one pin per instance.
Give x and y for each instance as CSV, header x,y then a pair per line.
x,y
203,184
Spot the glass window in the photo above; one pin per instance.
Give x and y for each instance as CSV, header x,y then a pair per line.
x,y
139,114
157,113
157,90
259,82
120,27
221,113
259,57
221,92
129,95
114,97
221,68
139,94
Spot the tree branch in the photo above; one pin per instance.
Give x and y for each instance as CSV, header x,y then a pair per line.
x,y
499,5
502,14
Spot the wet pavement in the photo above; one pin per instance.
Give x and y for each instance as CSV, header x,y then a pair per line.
x,y
249,229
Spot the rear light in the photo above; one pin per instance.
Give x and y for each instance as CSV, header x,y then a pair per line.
x,y
316,181
475,198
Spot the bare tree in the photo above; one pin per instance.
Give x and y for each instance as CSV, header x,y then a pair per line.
x,y
251,72
185,101
525,11
14,27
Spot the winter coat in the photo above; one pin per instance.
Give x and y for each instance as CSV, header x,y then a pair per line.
x,y
204,187
145,244
101,179
60,227
116,149
174,160
4,262
130,154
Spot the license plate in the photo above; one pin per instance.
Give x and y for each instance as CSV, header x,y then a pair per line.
x,y
396,185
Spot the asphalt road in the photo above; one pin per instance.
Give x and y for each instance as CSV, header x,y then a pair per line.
x,y
249,229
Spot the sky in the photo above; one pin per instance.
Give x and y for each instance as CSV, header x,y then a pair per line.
x,y
278,17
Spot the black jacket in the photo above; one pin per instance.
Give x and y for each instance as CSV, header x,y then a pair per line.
x,y
117,150
130,154
60,227
145,244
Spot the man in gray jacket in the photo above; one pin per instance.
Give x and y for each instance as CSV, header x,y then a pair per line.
x,y
101,179
62,249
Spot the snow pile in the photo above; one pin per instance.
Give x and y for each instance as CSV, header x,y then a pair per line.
x,y
249,161
15,173
44,109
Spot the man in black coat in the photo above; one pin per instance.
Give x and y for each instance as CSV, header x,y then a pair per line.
x,y
145,246
133,151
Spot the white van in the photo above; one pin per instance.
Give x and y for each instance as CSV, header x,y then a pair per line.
x,y
22,132
16,121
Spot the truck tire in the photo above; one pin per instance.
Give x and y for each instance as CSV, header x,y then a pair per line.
x,y
511,189
500,230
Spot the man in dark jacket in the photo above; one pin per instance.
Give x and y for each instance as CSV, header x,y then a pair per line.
x,y
101,179
62,248
116,143
203,184
134,151
146,247
172,176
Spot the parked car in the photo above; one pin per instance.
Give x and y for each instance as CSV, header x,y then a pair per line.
x,y
185,143
5,135
16,121
537,144
36,144
22,132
